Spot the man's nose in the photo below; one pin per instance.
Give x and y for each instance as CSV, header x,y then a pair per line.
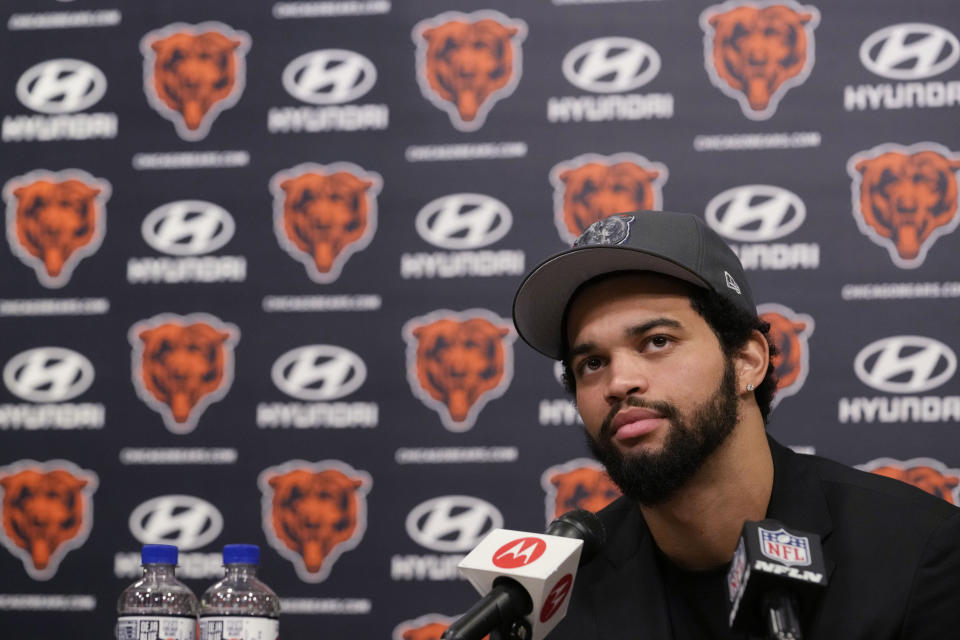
x,y
627,375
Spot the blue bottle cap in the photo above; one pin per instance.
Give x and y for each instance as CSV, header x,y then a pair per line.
x,y
241,554
158,554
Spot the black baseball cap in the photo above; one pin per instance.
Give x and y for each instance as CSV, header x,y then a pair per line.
x,y
680,245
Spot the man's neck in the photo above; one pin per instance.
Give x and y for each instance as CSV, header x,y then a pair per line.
x,y
699,527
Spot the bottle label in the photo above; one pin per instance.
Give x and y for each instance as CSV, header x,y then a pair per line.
x,y
238,628
156,628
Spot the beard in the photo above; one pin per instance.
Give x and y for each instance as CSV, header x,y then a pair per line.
x,y
652,478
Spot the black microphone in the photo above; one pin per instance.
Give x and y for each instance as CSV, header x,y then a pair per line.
x,y
503,566
775,579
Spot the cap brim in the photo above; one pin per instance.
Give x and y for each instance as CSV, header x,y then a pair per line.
x,y
543,296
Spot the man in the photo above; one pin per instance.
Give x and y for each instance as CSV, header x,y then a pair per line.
x,y
653,318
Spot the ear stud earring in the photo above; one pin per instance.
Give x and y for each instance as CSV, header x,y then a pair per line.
x,y
749,387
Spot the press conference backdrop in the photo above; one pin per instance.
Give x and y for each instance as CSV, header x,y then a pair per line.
x,y
260,261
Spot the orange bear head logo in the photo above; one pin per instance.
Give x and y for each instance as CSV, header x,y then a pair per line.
x,y
193,72
54,220
323,214
790,332
427,627
904,198
181,364
467,62
313,512
47,511
756,51
457,362
578,484
925,473
591,187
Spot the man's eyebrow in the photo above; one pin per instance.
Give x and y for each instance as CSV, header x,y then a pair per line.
x,y
641,329
636,330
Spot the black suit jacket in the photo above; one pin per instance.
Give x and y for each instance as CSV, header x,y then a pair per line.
x,y
892,552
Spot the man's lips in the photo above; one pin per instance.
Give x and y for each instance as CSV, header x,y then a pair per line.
x,y
633,422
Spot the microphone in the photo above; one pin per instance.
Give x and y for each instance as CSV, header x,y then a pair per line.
x,y
775,579
526,577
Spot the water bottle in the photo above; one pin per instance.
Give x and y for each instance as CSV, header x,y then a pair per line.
x,y
157,606
240,606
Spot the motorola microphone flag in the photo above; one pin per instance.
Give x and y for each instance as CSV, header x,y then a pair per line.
x,y
527,578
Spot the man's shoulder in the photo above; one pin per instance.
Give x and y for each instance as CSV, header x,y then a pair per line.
x,y
859,490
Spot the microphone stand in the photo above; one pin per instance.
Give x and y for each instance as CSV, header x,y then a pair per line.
x,y
781,616
519,630
500,613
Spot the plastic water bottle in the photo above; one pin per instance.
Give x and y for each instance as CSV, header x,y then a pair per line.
x,y
157,606
240,606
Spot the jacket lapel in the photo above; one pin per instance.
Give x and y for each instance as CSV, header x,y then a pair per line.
x,y
631,595
797,499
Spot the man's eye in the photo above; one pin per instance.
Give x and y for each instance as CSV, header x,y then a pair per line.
x,y
659,341
589,364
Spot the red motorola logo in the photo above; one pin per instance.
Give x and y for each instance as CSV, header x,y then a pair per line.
x,y
556,597
519,553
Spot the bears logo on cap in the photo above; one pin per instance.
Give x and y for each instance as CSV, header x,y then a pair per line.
x,y
457,362
467,62
54,219
904,198
182,364
928,474
313,512
47,511
191,73
790,332
323,214
581,483
591,187
754,52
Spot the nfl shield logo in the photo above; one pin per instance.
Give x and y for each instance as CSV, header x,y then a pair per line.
x,y
785,547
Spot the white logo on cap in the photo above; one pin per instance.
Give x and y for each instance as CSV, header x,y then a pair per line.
x,y
329,76
611,65
910,51
731,283
60,86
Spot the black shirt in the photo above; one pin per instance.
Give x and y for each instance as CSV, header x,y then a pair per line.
x,y
697,602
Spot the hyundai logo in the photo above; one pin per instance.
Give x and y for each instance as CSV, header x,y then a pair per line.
x,y
611,65
464,221
188,228
61,86
452,524
48,374
910,51
905,364
755,213
329,76
318,372
185,521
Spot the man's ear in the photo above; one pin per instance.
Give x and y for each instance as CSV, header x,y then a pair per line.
x,y
752,361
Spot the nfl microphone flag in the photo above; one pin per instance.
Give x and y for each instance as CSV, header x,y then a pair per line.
x,y
776,576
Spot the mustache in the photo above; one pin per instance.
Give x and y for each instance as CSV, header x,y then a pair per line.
x,y
665,409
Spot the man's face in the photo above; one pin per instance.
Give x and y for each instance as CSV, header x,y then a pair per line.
x,y
655,390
